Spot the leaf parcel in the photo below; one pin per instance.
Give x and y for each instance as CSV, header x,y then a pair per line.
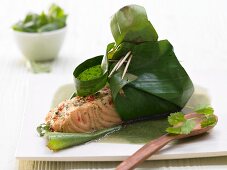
x,y
162,84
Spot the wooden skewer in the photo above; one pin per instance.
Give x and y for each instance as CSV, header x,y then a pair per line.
x,y
126,67
119,64
115,67
123,60
112,61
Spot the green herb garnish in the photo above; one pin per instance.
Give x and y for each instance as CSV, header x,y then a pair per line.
x,y
91,73
181,125
209,119
207,110
42,129
53,20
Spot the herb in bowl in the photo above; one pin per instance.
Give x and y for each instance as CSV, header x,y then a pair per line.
x,y
54,19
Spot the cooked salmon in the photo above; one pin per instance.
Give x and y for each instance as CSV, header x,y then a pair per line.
x,y
84,114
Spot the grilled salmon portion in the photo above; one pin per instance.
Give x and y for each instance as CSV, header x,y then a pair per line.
x,y
84,114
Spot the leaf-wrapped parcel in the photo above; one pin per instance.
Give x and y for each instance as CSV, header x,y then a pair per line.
x,y
155,83
162,85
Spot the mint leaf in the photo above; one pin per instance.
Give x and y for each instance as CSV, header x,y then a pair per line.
x,y
209,120
176,118
185,128
206,110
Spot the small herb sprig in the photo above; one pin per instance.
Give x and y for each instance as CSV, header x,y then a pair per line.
x,y
42,129
181,125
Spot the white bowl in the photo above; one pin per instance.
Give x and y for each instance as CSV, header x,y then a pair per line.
x,y
42,46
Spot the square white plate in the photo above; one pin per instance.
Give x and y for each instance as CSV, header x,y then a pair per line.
x,y
43,87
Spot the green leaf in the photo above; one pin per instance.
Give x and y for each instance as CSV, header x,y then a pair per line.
x,y
73,95
209,120
95,83
176,118
117,83
207,110
55,19
58,141
48,27
162,86
121,50
186,127
174,130
39,66
42,129
56,12
110,49
130,24
135,104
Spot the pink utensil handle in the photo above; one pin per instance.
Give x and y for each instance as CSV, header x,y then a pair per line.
x,y
145,152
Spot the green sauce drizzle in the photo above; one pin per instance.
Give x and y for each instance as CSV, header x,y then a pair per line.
x,y
91,73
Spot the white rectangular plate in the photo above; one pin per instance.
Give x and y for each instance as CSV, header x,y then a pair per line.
x,y
43,87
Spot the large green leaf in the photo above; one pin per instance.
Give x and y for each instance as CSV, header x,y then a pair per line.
x,y
117,83
88,87
162,86
57,140
130,24
119,51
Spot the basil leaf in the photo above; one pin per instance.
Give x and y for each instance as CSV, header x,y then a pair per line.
x,y
48,27
53,20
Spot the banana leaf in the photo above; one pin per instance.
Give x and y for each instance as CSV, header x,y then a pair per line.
x,y
130,24
162,85
87,87
57,140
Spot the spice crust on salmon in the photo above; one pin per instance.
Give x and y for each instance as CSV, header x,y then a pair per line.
x,y
84,114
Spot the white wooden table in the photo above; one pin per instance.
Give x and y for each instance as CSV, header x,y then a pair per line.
x,y
197,30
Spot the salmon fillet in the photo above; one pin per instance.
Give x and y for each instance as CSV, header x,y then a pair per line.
x,y
84,114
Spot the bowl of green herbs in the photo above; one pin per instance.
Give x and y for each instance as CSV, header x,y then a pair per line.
x,y
40,36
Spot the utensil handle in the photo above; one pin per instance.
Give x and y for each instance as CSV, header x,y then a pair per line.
x,y
144,152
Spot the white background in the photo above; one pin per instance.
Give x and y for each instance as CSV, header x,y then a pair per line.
x,y
196,29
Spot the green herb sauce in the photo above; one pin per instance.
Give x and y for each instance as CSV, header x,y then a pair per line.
x,y
91,73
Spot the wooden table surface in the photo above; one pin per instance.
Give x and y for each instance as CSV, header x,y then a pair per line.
x,y
197,30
